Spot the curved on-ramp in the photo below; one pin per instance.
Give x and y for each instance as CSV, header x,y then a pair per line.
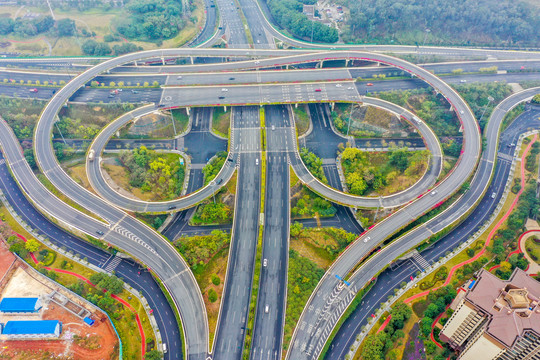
x,y
173,271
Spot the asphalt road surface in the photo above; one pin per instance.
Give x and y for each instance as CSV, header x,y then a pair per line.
x,y
232,321
267,337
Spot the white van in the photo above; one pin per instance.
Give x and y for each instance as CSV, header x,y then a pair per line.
x,y
164,347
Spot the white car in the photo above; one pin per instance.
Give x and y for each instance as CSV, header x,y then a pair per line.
x,y
350,88
224,89
339,85
434,192
366,239
462,81
256,161
265,262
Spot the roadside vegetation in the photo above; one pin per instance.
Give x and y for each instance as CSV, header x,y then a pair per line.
x,y
303,276
369,121
207,257
221,121
487,23
148,174
532,245
314,164
219,212
213,168
382,173
321,245
301,119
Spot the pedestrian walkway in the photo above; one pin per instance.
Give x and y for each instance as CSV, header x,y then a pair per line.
x,y
419,259
111,263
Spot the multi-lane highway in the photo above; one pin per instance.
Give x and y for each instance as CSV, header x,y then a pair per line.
x,y
267,336
233,315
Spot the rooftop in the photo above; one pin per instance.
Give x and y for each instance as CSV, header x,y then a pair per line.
x,y
19,304
30,327
512,305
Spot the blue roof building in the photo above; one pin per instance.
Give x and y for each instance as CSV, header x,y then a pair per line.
x,y
32,329
20,305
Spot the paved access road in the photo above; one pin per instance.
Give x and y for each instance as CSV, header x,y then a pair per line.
x,y
267,336
234,309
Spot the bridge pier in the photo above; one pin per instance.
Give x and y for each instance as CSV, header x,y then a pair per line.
x,y
287,67
332,104
162,60
296,105
191,60
135,63
188,110
225,108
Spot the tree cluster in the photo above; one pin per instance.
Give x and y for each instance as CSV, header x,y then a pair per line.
x,y
376,346
362,176
211,213
310,204
211,169
94,48
198,250
288,14
106,282
313,163
458,22
151,19
153,173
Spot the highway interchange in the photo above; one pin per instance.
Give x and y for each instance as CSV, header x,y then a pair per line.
x,y
331,296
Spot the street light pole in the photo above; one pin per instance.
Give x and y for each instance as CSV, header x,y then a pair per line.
x,y
490,99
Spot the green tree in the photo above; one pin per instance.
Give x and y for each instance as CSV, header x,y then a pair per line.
x,y
212,295
32,245
66,27
153,355
216,280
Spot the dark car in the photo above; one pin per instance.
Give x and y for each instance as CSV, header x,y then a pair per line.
x,y
99,232
172,207
221,97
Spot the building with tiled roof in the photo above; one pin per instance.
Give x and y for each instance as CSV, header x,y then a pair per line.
x,y
496,319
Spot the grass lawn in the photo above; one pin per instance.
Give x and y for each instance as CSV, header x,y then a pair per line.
x,y
301,119
532,246
77,172
221,121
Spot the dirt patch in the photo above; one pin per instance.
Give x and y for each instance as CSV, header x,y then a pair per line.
x,y
77,340
310,252
6,260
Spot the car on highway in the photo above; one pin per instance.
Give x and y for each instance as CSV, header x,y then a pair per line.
x,y
224,89
369,84
434,192
265,262
172,207
267,309
221,97
179,77
318,90
462,81
256,161
231,78
350,88
273,127
339,85
493,195
99,232
366,239
34,90
134,92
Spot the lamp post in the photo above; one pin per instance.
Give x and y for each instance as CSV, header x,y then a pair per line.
x,y
490,99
